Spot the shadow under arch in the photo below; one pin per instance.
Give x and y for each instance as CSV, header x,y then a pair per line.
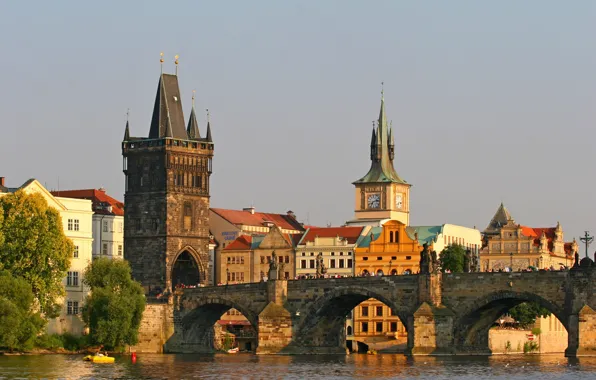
x,y
472,328
187,268
197,325
324,321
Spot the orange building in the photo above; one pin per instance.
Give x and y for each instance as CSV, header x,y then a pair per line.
x,y
387,250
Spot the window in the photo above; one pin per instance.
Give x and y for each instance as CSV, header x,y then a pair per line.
x,y
349,263
303,264
262,259
281,259
105,226
312,264
332,263
104,249
393,326
341,253
365,258
287,259
72,307
391,237
70,224
72,279
364,326
341,263
75,254
379,311
119,249
408,257
268,259
287,275
379,258
332,253
379,327
303,254
187,216
365,311
393,257
76,224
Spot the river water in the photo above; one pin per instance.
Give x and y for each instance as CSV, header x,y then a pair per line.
x,y
246,366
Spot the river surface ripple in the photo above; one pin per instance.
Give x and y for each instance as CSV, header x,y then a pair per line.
x,y
246,366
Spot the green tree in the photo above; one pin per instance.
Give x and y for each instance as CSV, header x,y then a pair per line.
x,y
19,323
526,313
34,246
452,258
115,307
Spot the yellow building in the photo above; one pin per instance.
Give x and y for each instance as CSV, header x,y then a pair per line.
x,y
511,246
76,217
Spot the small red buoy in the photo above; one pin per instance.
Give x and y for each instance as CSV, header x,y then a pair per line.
x,y
133,357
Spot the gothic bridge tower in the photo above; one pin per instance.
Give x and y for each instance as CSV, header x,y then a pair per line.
x,y
166,219
381,194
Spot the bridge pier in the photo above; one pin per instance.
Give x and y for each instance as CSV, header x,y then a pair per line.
x,y
582,333
430,331
275,322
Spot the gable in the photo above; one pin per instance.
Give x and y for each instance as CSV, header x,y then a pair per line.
x,y
33,186
275,239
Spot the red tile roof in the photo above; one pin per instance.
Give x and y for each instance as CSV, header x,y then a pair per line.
x,y
550,233
350,233
99,198
242,242
247,218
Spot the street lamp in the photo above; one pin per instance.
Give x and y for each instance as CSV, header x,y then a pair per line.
x,y
587,240
511,261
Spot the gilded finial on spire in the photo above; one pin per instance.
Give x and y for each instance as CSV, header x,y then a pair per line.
x,y
382,89
127,113
161,61
176,62
208,115
193,98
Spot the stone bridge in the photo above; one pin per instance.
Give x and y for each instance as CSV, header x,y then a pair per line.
x,y
444,314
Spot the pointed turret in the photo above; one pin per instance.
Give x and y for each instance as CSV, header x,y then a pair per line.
x,y
126,132
193,126
168,119
391,144
208,138
381,169
373,144
500,219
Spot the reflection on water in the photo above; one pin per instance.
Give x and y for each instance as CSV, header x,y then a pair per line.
x,y
298,367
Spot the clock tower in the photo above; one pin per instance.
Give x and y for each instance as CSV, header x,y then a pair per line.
x,y
381,194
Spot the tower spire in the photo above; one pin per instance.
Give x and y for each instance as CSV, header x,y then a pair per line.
x,y
127,129
193,126
208,137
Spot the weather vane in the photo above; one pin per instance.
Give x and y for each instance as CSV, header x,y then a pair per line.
x,y
382,89
193,98
176,62
161,61
208,116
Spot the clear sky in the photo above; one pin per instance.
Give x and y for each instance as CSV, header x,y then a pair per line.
x,y
490,101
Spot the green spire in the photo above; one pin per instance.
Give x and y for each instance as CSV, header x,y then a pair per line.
x,y
381,169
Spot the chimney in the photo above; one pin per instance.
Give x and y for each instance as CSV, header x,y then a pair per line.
x,y
291,214
102,189
250,209
1,181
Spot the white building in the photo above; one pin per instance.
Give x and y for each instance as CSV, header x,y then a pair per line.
x,y
443,235
108,221
334,244
76,217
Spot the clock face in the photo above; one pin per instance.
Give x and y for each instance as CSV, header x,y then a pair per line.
x,y
398,201
374,201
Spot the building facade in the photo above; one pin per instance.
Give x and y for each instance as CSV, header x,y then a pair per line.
x,y
247,258
108,221
381,195
167,182
77,223
228,225
335,245
512,247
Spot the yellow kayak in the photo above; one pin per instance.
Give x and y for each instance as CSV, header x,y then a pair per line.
x,y
99,359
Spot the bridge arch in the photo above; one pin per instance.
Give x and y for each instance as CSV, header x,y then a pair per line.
x,y
200,316
472,327
324,321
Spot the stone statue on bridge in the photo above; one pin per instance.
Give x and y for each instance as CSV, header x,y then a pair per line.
x,y
434,262
321,270
273,272
425,260
282,272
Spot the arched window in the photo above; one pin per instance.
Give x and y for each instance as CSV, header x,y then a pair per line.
x,y
394,272
349,330
380,272
408,271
